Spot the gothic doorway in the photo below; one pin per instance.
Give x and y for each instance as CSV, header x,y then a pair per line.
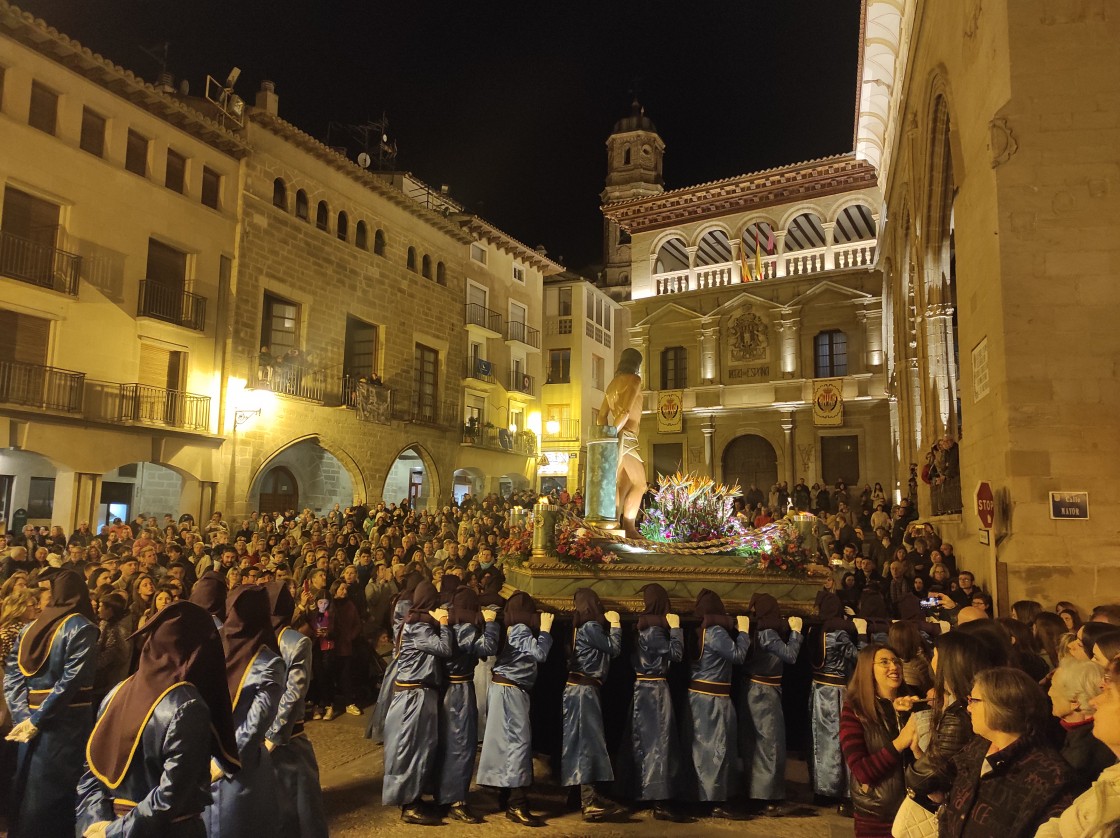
x,y
750,460
279,491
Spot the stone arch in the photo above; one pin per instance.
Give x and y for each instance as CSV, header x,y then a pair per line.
x,y
804,231
798,210
357,479
764,218
713,247
842,216
750,458
710,227
431,472
667,236
671,255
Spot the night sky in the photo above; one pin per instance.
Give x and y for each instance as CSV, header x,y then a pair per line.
x,y
510,103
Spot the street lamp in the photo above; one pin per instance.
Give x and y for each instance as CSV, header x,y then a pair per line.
x,y
552,426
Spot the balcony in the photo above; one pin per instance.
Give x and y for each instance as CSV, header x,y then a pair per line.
x,y
520,382
524,334
407,407
171,305
479,369
845,256
485,320
160,406
371,400
500,439
293,380
39,264
561,429
42,387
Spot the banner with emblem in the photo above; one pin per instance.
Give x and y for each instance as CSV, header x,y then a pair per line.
x,y
670,411
828,401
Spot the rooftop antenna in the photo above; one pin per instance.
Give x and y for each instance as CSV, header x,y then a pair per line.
x,y
229,103
161,55
372,137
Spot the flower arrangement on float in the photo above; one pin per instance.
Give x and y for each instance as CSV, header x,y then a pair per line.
x,y
516,548
690,508
574,545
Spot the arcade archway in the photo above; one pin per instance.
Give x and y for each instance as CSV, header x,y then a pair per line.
x,y
751,461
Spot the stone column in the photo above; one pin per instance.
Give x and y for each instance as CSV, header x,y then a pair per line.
x,y
938,322
709,350
872,322
779,253
709,431
791,453
789,327
829,237
693,279
639,339
736,262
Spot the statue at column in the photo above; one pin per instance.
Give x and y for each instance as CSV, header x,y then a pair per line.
x,y
621,415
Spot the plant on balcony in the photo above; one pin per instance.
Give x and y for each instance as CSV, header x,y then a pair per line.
x,y
689,508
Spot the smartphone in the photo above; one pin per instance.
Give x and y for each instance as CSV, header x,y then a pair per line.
x,y
932,602
918,706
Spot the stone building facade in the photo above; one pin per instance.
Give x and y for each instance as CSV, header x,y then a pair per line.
x,y
118,242
995,131
749,295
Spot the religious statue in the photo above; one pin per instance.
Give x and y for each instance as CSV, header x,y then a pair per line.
x,y
621,415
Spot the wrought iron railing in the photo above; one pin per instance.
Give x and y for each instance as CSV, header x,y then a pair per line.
x,y
43,387
405,408
160,406
500,439
479,315
172,305
520,382
481,370
293,380
523,333
39,264
564,429
372,402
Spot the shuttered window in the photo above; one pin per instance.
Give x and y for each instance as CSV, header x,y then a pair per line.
x,y
44,108
93,133
175,178
159,367
26,338
136,154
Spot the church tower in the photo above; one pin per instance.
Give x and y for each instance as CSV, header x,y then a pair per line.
x,y
634,158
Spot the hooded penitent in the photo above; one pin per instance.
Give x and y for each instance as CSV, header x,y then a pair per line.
x,y
69,596
711,612
465,608
180,644
210,592
588,608
521,610
247,629
283,604
767,614
657,606
425,598
873,608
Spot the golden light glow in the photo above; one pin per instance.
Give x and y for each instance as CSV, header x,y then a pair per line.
x,y
552,427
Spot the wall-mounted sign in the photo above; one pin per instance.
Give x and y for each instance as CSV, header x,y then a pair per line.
x,y
670,411
980,384
828,401
734,373
1069,506
553,463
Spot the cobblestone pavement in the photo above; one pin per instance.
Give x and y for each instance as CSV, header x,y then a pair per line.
x,y
350,769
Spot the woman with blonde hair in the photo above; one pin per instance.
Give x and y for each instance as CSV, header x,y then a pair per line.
x,y
16,582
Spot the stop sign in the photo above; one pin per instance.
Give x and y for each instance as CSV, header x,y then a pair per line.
x,y
985,505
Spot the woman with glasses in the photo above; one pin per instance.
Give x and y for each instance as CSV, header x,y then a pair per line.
x,y
1006,782
1101,803
956,660
876,733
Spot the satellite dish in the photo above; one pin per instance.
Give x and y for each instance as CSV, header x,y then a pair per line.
x,y
364,160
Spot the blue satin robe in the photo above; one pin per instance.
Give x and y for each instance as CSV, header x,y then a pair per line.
x,y
708,725
245,804
458,718
168,779
830,774
762,722
412,722
49,766
507,747
375,730
651,750
584,757
301,797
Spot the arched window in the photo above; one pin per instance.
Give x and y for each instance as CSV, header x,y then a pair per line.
x,y
323,216
441,273
379,242
301,205
830,354
674,368
280,194
411,263
426,267
343,229
361,235
626,157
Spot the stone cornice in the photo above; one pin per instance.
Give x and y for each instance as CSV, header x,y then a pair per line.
x,y
37,35
483,228
783,185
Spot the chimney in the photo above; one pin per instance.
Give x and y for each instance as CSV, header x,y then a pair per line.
x,y
166,83
267,100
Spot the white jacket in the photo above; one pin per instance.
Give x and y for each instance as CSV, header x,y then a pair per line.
x,y
1096,807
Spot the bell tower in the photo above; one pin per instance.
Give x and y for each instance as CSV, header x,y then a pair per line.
x,y
634,158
